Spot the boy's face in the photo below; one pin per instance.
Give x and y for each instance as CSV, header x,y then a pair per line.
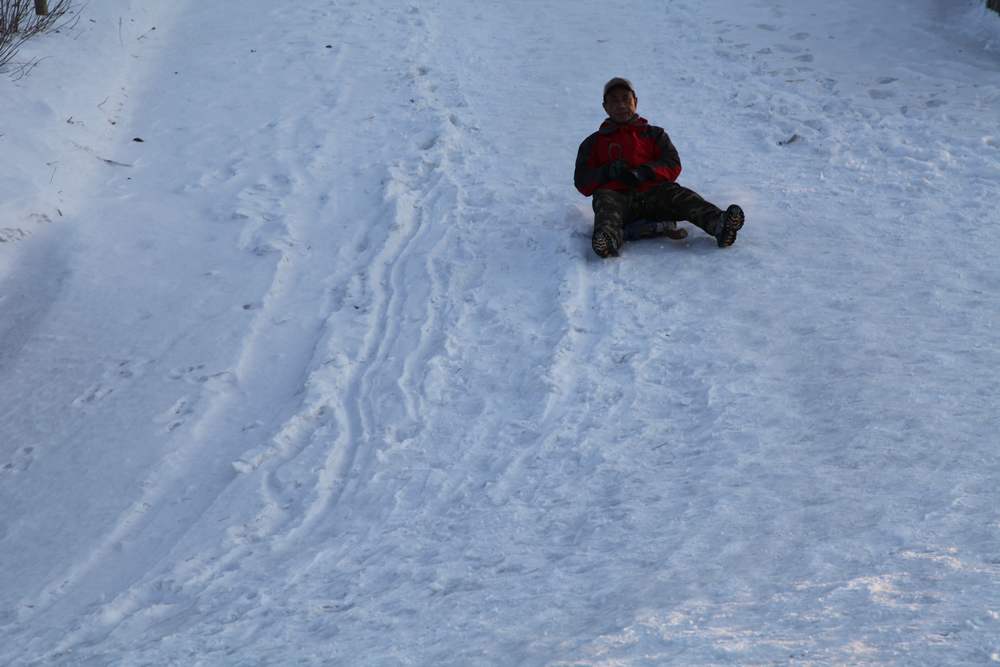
x,y
620,104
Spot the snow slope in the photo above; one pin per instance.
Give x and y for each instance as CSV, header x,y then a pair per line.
x,y
324,371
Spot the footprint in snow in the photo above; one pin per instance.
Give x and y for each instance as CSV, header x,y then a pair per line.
x,y
10,234
113,378
21,461
176,415
789,48
429,142
191,374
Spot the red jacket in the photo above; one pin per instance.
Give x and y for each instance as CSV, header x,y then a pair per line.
x,y
638,143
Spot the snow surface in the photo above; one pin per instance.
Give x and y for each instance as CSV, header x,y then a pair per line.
x,y
323,370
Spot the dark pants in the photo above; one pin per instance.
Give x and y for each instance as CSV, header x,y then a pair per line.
x,y
667,201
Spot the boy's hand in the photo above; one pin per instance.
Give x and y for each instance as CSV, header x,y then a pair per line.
x,y
619,170
615,171
645,173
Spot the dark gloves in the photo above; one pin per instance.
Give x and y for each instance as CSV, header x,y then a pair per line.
x,y
645,173
619,170
615,171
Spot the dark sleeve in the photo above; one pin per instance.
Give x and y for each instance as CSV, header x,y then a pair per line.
x,y
667,165
587,177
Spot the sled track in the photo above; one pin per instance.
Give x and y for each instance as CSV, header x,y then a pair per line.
x,y
376,322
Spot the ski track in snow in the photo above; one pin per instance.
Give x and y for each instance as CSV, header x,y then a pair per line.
x,y
408,418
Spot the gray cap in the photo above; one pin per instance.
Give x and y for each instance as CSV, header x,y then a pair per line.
x,y
618,82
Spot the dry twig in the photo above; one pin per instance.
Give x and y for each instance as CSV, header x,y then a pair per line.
x,y
18,23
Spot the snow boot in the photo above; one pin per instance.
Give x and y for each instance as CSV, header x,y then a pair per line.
x,y
605,244
730,222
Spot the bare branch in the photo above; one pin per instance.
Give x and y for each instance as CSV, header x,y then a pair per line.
x,y
19,22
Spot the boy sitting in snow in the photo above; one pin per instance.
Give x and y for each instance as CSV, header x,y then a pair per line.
x,y
630,166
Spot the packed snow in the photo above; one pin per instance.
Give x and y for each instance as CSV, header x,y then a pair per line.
x,y
306,359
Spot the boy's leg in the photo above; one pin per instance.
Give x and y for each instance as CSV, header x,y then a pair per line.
x,y
678,202
675,202
611,212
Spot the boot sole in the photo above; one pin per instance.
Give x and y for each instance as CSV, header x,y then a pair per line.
x,y
602,245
